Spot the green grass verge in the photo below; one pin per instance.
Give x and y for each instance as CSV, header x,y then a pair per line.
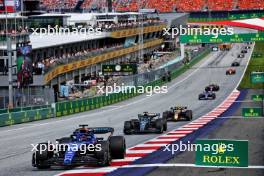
x,y
256,64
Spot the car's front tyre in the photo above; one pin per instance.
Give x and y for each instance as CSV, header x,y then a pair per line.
x,y
41,155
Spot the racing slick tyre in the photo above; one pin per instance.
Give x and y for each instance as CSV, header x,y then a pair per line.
x,y
213,96
134,122
159,126
103,155
41,155
207,89
189,115
165,126
127,127
117,147
165,114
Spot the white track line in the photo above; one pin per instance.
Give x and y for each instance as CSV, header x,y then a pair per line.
x,y
161,140
238,117
150,145
175,135
126,159
91,170
186,165
140,151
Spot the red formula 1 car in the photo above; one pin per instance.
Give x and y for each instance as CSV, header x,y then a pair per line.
x,y
230,71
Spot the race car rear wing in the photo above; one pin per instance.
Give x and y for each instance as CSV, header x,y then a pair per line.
x,y
149,114
98,130
180,107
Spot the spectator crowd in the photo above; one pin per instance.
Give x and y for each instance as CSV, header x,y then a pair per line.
x,y
161,5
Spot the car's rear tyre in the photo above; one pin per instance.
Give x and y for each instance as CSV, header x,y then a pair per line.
x,y
165,114
189,115
117,147
134,123
127,127
165,126
159,126
103,155
214,96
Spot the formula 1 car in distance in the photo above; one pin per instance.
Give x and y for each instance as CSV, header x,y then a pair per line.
x,y
247,47
235,64
207,95
83,147
146,123
178,113
241,55
212,87
230,71
244,51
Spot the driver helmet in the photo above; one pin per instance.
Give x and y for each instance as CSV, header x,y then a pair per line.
x,y
83,137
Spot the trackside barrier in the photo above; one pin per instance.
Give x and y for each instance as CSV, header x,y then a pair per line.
x,y
25,116
228,16
2,111
81,105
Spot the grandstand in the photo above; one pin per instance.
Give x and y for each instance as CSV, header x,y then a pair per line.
x,y
67,57
250,4
161,5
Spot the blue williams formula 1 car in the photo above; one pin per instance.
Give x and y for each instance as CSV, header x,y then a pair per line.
x,y
146,123
83,147
207,95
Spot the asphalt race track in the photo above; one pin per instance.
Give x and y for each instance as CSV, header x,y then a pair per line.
x,y
15,151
